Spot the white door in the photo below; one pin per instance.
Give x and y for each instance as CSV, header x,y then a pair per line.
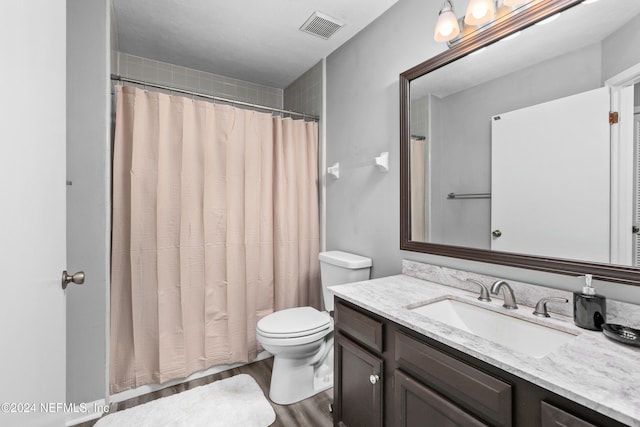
x,y
550,178
32,212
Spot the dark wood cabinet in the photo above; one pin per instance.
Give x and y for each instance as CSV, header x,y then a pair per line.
x,y
359,369
483,394
416,405
389,375
362,328
556,417
358,385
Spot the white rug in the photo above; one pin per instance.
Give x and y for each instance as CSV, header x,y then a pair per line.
x,y
235,401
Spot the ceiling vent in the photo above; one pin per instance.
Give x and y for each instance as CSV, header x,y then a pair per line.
x,y
321,25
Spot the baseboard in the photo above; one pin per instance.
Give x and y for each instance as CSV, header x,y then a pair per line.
x,y
148,388
86,412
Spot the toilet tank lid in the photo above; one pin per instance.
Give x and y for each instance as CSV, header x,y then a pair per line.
x,y
344,259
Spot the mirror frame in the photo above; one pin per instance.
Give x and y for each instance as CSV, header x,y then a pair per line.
x,y
535,13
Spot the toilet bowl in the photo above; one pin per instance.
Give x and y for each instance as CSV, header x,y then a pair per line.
x,y
301,338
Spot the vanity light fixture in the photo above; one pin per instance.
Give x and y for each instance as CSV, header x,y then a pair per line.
x,y
479,15
515,2
479,12
447,27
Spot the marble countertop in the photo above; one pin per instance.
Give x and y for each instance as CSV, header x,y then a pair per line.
x,y
590,369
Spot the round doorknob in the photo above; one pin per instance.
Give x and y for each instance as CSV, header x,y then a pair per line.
x,y
496,233
77,278
373,379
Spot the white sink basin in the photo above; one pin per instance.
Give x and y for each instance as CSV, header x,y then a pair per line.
x,y
517,334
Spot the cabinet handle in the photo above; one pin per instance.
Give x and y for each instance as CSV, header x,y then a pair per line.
x,y
373,379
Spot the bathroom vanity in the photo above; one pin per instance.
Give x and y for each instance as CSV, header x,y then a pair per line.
x,y
397,367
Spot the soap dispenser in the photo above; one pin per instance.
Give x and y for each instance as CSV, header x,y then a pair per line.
x,y
589,309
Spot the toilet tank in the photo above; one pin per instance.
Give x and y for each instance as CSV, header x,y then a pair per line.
x,y
337,268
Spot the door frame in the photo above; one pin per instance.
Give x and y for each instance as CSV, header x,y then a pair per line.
x,y
621,87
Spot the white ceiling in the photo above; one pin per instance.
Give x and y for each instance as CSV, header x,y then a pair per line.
x,y
252,40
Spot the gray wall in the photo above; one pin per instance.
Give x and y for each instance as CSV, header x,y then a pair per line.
x,y
461,137
363,119
88,197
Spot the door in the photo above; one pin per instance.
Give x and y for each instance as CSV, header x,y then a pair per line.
x,y
547,199
358,386
32,217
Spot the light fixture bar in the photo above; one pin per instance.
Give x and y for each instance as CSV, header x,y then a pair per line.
x,y
486,12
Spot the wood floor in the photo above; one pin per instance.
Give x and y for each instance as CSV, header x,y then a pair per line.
x,y
312,412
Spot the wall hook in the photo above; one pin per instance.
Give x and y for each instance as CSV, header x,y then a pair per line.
x,y
382,161
334,170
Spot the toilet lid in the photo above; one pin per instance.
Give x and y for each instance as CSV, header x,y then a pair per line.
x,y
294,322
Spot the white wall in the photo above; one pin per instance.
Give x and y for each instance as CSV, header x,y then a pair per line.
x,y
363,119
88,205
620,50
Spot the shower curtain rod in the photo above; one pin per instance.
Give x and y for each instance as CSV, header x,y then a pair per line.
x,y
117,78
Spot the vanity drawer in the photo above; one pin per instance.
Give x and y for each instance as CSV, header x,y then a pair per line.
x,y
556,417
478,392
359,326
415,403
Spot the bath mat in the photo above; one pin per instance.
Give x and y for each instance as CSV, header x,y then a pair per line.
x,y
236,401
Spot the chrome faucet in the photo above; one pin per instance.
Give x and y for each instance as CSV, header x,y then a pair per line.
x,y
509,298
484,292
541,306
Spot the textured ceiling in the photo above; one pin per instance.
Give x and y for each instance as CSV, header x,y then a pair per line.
x,y
253,40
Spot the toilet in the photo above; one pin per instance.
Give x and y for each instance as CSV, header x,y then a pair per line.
x,y
301,338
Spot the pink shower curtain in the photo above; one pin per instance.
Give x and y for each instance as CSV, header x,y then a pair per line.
x,y
215,225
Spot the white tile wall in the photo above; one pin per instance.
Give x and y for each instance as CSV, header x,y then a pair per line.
x,y
304,95
162,73
420,116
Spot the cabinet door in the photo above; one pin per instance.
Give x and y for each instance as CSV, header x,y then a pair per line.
x,y
555,417
416,405
358,385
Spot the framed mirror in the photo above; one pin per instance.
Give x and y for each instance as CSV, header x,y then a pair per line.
x,y
499,161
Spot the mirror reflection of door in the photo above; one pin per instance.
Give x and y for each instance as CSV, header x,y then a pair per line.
x,y
550,178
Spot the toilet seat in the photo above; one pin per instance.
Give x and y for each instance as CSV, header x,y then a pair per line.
x,y
298,322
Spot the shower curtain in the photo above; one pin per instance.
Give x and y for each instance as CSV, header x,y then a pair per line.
x,y
418,169
215,225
